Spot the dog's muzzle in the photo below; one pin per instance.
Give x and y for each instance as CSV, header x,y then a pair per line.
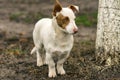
x,y
75,30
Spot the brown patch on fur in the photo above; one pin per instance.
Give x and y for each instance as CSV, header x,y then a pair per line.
x,y
73,8
57,8
62,21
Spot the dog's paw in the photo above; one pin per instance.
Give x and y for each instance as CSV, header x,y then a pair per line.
x,y
52,74
39,63
61,71
45,62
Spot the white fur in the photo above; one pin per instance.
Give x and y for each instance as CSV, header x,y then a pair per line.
x,y
54,39
69,13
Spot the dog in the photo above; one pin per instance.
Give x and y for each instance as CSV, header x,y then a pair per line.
x,y
56,35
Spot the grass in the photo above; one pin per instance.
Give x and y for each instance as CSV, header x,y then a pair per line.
x,y
86,42
15,51
15,16
25,17
87,20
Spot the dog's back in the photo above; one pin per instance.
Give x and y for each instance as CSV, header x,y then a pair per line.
x,y
43,29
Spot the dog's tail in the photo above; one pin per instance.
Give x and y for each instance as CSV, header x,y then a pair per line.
x,y
33,50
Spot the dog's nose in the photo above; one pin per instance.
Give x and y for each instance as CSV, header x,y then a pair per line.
x,y
75,30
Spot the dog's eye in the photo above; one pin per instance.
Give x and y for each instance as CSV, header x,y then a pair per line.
x,y
65,19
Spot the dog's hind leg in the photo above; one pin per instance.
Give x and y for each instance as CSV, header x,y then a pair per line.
x,y
39,56
39,59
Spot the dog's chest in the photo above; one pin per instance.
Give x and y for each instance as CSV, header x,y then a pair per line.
x,y
61,45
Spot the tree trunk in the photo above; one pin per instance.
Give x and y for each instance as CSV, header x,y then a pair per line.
x,y
108,32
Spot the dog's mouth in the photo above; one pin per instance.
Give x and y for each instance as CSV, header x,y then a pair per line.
x,y
72,33
75,32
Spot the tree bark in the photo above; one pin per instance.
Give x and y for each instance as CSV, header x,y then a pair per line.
x,y
108,32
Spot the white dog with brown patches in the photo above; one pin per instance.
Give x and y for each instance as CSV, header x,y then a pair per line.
x,y
56,35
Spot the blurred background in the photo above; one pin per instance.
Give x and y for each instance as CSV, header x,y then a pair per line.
x,y
19,16
17,20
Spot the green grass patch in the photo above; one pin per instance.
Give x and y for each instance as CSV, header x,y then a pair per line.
x,y
15,51
15,16
86,42
87,19
25,17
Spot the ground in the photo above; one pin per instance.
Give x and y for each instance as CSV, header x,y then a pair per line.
x,y
16,42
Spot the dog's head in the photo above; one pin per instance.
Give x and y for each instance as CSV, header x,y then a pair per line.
x,y
65,17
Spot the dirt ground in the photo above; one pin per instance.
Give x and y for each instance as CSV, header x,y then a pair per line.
x,y
16,42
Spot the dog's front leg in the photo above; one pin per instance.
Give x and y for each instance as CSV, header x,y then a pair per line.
x,y
60,62
51,65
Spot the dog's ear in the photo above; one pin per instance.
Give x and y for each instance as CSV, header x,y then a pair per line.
x,y
57,8
74,8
